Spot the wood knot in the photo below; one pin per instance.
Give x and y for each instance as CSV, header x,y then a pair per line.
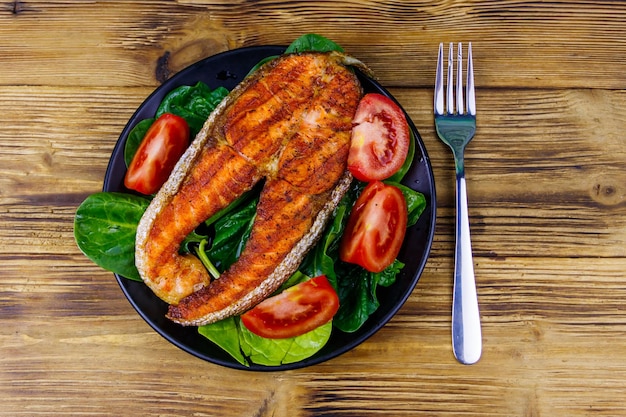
x,y
16,7
606,193
180,55
162,71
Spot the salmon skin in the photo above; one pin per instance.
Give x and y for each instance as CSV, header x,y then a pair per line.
x,y
289,124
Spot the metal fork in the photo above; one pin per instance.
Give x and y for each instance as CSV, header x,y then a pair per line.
x,y
456,129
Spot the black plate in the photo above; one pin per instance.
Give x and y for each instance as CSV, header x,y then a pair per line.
x,y
228,69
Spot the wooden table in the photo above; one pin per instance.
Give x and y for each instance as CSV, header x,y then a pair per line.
x,y
546,181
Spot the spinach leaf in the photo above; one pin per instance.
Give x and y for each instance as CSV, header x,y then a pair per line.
x,y
388,276
193,239
415,202
192,103
231,234
261,63
134,139
357,293
232,206
274,352
298,277
313,42
225,334
357,298
245,347
105,225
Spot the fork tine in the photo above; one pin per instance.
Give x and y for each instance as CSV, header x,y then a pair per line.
x,y
471,97
439,82
450,88
460,108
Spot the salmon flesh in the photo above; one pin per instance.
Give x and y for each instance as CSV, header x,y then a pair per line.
x,y
288,124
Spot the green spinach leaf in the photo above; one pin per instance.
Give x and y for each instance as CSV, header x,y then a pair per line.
x,y
105,225
261,63
193,239
231,234
313,42
415,201
357,297
192,103
357,293
274,352
225,334
246,347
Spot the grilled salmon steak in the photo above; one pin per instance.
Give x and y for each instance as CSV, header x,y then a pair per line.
x,y
288,124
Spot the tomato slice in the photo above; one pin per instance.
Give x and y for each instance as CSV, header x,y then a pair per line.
x,y
162,146
376,227
380,139
295,311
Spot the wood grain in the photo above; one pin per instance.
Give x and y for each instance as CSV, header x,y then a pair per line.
x,y
143,44
546,182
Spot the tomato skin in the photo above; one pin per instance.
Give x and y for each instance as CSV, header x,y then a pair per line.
x,y
380,139
376,227
295,311
163,145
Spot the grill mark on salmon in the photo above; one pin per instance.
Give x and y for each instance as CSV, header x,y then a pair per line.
x,y
289,123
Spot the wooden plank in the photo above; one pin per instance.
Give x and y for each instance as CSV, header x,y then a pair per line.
x,y
136,45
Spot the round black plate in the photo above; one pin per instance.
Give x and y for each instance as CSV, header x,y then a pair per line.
x,y
227,69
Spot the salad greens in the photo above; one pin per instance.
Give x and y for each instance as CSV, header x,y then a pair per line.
x,y
245,347
225,334
192,103
274,352
105,226
231,233
312,42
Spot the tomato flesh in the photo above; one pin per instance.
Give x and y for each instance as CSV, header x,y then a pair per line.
x,y
376,227
295,311
162,146
380,139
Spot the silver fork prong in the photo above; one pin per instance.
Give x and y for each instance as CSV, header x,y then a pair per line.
x,y
460,107
450,88
439,83
471,96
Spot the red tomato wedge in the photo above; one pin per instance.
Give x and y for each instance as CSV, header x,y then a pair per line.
x,y
162,146
380,139
295,311
376,227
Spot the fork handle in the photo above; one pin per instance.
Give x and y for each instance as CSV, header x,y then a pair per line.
x,y
466,331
